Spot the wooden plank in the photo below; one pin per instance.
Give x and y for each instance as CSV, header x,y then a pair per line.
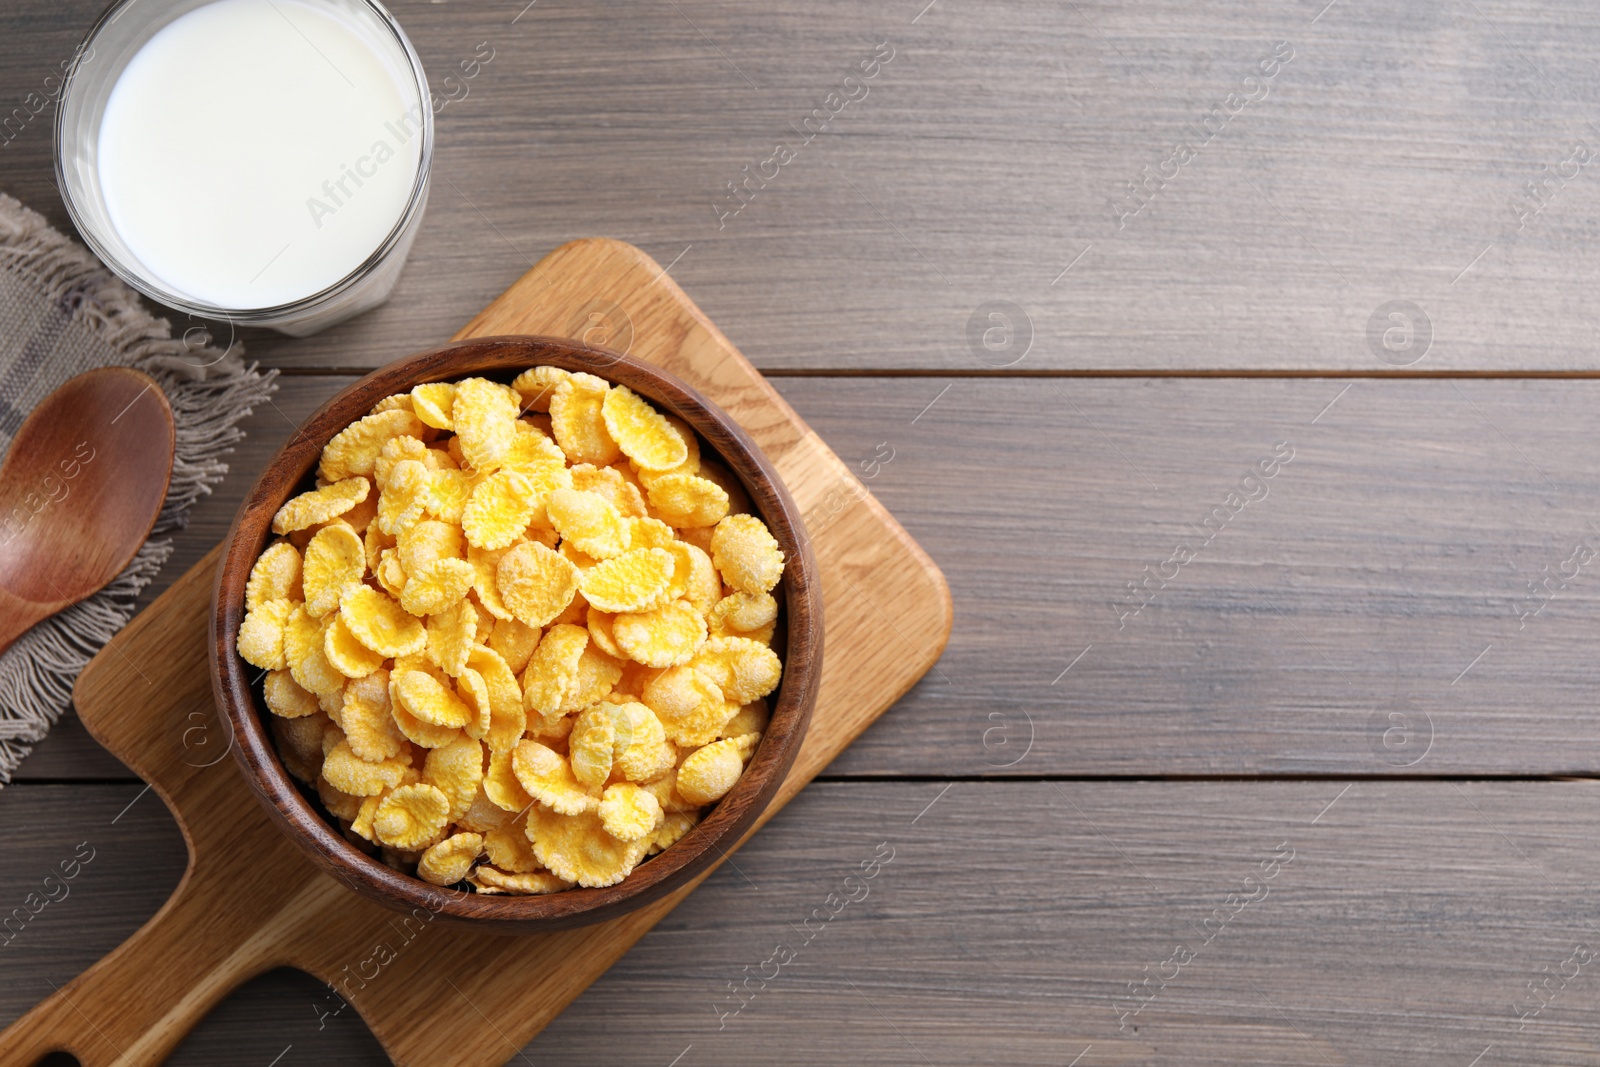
x,y
1008,925
1394,548
1386,161
1368,603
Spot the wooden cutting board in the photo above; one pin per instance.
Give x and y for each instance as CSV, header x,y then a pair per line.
x,y
251,901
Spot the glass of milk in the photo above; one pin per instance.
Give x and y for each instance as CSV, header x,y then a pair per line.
x,y
259,162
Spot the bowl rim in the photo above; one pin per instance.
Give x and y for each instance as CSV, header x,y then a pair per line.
x,y
711,838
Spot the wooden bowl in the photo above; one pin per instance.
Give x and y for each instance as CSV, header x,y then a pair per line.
x,y
800,594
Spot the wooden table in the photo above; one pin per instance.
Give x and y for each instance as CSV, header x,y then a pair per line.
x,y
1219,768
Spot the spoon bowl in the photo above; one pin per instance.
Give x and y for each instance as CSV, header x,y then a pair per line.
x,y
80,490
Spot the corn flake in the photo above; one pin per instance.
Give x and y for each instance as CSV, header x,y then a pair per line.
x,y
665,790
456,770
488,879
451,860
591,745
645,532
576,613
551,729
406,497
589,521
349,773
420,732
547,778
537,386
485,582
354,450
709,772
361,516
747,554
399,401
507,716
738,500
484,814
596,677
374,540
368,720
642,432
485,417
535,584
429,540
300,745
381,624
578,849
515,641
335,563
599,624
412,817
509,847
750,719
743,669
474,694
702,586
390,574
581,560
637,580
432,403
642,753
447,494
347,655
339,805
628,812
577,420
674,825
616,488
663,637
261,633
275,576
499,509
304,650
687,500
393,451
700,537
286,697
553,668
437,587
690,706
532,452
319,505
486,619
425,697
752,615
451,634
501,786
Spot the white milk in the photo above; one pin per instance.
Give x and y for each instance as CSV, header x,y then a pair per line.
x,y
254,152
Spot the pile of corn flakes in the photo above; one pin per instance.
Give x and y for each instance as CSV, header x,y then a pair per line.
x,y
517,636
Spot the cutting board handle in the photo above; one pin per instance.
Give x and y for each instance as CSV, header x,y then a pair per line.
x,y
133,1007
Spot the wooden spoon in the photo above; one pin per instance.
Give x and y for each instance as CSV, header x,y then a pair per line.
x,y
80,490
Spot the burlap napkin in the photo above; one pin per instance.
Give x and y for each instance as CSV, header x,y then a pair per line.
x,y
61,313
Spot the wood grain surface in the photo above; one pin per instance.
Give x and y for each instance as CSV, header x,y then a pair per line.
x,y
1386,573
1386,160
1009,922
